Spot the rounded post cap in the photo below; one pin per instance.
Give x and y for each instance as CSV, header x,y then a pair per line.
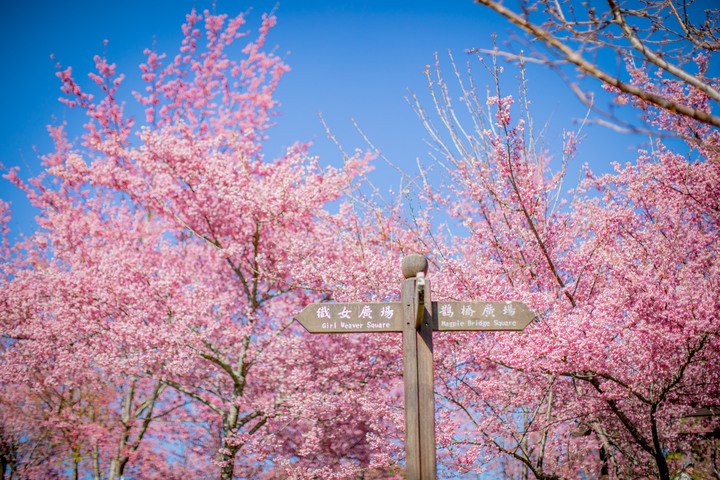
x,y
413,264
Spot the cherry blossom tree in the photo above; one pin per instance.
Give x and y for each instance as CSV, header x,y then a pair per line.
x,y
152,312
624,279
68,317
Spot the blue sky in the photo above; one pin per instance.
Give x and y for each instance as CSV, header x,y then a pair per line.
x,y
349,60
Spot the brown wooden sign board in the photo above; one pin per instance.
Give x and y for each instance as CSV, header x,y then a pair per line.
x,y
416,316
481,316
387,317
352,317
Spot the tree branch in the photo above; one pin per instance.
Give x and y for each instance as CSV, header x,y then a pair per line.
x,y
589,68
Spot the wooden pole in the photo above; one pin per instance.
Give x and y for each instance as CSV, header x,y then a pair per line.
x,y
418,371
426,390
410,379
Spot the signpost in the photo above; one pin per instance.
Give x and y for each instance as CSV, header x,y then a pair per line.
x,y
416,316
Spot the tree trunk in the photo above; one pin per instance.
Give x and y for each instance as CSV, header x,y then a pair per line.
x,y
663,469
96,462
117,467
228,466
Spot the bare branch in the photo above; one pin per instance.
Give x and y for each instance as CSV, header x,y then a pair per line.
x,y
574,56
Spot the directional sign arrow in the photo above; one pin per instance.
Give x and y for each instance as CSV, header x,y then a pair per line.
x,y
486,316
351,317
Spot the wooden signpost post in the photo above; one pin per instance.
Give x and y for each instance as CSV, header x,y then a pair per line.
x,y
416,316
